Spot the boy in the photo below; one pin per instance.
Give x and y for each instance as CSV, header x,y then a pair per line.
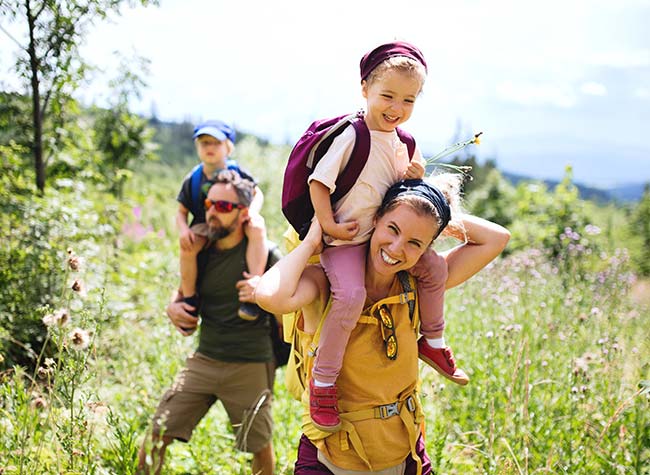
x,y
214,141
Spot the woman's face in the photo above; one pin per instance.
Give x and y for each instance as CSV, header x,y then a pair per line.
x,y
401,236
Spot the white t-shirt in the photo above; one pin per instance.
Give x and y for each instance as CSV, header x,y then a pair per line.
x,y
387,163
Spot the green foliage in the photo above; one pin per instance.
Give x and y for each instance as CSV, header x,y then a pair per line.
x,y
493,200
479,173
37,232
556,347
175,144
122,137
640,227
49,62
15,123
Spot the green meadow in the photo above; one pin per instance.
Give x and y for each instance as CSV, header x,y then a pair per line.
x,y
553,334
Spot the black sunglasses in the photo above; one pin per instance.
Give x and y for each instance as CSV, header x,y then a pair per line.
x,y
387,330
222,206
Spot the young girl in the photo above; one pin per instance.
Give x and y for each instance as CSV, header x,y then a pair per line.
x,y
214,141
392,76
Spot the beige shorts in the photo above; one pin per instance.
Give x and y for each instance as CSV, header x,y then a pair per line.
x,y
244,389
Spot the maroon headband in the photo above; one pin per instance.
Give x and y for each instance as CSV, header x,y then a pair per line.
x,y
381,53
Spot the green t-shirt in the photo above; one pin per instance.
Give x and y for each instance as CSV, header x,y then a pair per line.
x,y
224,335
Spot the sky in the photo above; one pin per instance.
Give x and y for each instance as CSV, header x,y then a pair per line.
x,y
548,83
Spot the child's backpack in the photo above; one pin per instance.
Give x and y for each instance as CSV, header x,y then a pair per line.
x,y
314,143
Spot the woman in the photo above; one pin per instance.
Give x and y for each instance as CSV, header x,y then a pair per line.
x,y
377,394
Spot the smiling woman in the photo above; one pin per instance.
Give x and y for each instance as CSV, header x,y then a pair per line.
x,y
377,395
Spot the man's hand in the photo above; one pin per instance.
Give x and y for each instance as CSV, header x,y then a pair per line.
x,y
246,287
184,322
187,239
416,169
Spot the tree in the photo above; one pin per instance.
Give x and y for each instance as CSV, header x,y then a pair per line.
x,y
48,57
121,136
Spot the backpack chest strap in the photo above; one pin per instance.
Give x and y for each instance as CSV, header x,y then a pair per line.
x,y
406,408
383,411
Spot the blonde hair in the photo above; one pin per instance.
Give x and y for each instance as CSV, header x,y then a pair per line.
x,y
402,64
229,145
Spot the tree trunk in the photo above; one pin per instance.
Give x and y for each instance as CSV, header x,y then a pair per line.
x,y
37,117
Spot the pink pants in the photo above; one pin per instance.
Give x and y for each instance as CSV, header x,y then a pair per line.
x,y
345,268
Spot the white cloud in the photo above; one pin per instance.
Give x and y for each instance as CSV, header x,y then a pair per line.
x,y
593,89
529,94
642,93
621,59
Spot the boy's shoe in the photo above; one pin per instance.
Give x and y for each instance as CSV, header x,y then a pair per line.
x,y
442,360
194,302
323,409
249,311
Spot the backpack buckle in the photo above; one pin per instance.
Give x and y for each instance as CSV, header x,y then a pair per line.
x,y
388,410
403,297
410,404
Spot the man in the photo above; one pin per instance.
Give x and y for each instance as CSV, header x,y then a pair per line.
x,y
234,359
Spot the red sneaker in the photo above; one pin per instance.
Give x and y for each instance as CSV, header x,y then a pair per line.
x,y
442,360
323,409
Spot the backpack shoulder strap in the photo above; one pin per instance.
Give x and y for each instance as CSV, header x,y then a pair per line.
x,y
360,152
408,140
195,185
315,339
408,286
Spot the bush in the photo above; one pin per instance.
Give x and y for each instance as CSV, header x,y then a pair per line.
x,y
37,233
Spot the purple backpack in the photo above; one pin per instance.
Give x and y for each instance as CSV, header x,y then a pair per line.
x,y
314,143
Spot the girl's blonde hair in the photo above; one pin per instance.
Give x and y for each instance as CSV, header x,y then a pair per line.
x,y
404,65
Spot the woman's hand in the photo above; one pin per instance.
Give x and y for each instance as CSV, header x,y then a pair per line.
x,y
314,237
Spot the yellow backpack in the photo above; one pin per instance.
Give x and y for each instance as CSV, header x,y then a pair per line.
x,y
304,346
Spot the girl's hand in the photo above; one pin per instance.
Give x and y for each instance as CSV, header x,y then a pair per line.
x,y
344,231
416,169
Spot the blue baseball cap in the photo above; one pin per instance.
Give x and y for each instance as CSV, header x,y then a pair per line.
x,y
215,128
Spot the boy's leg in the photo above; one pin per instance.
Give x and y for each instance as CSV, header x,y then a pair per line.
x,y
257,253
345,269
188,266
189,271
431,274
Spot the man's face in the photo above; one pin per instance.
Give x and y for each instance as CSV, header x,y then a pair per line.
x,y
222,224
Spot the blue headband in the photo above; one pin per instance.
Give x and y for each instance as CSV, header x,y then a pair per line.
x,y
424,190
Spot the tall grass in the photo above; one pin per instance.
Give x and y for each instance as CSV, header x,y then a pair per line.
x,y
557,351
